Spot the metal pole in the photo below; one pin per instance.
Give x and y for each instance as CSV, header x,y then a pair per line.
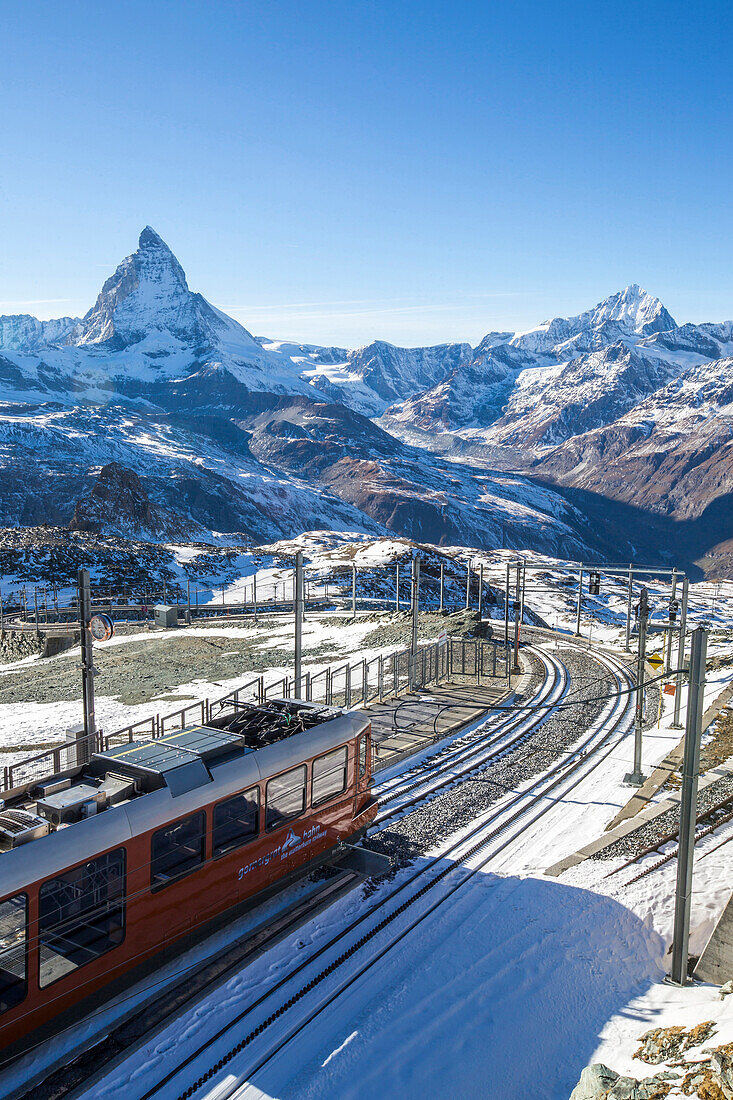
x,y
353,591
688,806
442,567
254,594
673,592
35,600
468,585
636,777
524,585
397,587
2,625
188,601
298,620
506,610
630,592
580,601
480,591
676,724
87,663
415,606
517,605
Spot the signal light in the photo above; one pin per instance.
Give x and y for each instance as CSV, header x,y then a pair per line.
x,y
594,584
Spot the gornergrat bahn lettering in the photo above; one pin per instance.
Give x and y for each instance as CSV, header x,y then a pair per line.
x,y
113,865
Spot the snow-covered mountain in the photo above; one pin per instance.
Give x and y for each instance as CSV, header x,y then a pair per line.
x,y
502,374
157,414
21,332
145,335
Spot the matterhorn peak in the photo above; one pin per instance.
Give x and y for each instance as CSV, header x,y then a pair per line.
x,y
150,239
148,293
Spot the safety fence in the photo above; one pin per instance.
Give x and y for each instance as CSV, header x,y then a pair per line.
x,y
349,685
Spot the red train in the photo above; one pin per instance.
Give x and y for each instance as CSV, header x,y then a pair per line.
x,y
111,866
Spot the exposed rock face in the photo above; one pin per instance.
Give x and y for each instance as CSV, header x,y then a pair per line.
x,y
17,644
664,1043
118,501
598,1082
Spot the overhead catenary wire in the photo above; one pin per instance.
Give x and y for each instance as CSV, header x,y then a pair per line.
x,y
516,707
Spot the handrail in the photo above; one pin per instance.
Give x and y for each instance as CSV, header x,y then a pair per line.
x,y
431,662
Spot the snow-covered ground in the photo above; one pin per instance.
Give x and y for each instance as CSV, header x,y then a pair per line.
x,y
519,980
507,989
23,724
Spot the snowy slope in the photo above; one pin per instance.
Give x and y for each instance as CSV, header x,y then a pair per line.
x,y
672,456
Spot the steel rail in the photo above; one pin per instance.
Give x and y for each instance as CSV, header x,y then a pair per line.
x,y
478,754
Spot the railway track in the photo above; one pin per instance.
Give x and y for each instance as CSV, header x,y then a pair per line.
x,y
264,1026
706,823
189,984
474,751
441,769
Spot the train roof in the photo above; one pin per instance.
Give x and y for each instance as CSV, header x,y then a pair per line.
x,y
173,776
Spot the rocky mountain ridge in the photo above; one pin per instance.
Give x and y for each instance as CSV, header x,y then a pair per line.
x,y
521,439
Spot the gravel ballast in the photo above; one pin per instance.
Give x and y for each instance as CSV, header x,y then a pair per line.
x,y
431,824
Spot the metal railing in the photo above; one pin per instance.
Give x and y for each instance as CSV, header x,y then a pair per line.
x,y
348,685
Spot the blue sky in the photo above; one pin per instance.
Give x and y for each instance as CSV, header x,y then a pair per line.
x,y
340,170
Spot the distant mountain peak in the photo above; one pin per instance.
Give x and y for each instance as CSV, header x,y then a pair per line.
x,y
634,307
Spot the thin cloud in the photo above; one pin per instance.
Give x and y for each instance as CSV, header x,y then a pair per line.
x,y
376,307
35,302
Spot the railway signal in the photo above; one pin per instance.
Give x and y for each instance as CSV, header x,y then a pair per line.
x,y
594,584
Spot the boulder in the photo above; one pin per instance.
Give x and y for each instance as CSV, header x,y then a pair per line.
x,y
598,1082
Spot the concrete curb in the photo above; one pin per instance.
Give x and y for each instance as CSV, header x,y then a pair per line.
x,y
669,765
634,823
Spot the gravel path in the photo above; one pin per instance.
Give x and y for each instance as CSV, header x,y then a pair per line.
x,y
427,826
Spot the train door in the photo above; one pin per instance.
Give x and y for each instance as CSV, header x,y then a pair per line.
x,y
364,762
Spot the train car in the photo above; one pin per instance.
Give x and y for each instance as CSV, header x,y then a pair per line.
x,y
115,865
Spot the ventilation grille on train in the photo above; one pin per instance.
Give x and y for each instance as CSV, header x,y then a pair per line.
x,y
18,827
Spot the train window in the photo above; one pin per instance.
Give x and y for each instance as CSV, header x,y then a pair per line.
x,y
285,797
362,755
13,951
236,821
329,775
81,915
177,850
